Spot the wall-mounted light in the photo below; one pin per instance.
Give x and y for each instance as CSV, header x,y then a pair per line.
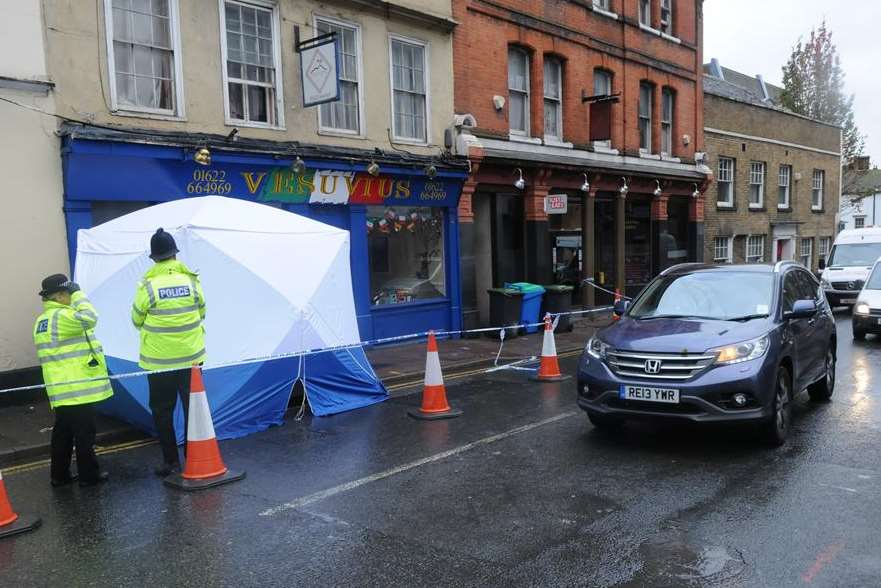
x,y
585,187
658,190
373,169
202,156
431,171
624,189
519,183
696,193
298,166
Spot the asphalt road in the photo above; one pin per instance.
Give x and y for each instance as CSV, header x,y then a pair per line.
x,y
519,491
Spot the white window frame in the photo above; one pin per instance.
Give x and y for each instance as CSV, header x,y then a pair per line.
x,y
426,72
558,63
276,56
756,258
729,250
787,177
753,175
667,28
179,111
524,53
862,219
362,121
667,125
810,252
645,13
824,244
639,117
604,5
730,181
818,190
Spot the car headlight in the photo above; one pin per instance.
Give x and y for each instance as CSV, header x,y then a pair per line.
x,y
861,308
596,348
740,352
825,285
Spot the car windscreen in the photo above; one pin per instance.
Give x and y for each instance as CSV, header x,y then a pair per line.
x,y
849,254
712,295
874,281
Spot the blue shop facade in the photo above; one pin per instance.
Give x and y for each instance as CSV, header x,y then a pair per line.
x,y
402,218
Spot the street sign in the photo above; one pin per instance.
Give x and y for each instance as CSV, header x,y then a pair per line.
x,y
319,77
556,203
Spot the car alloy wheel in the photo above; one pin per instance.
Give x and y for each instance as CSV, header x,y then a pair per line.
x,y
777,428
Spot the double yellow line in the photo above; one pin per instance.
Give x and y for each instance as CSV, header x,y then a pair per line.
x,y
35,465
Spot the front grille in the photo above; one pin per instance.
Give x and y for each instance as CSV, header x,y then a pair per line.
x,y
875,311
848,286
657,366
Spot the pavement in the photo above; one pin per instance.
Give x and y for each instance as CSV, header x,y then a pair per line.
x,y
26,428
519,491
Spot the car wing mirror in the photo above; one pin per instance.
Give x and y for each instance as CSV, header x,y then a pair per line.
x,y
802,309
621,307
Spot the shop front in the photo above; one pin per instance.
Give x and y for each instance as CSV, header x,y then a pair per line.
x,y
401,219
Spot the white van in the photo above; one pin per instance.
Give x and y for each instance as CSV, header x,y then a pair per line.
x,y
850,261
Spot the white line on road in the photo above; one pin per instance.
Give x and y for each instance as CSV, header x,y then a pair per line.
x,y
318,496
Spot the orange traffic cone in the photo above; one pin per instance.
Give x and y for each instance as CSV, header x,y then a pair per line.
x,y
434,393
10,522
549,368
204,467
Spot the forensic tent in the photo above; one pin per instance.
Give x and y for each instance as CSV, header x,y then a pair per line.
x,y
275,283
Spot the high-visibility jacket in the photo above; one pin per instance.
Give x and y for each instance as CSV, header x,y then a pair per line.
x,y
169,309
66,343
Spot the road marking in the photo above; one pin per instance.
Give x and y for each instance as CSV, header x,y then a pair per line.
x,y
845,488
27,467
824,558
339,489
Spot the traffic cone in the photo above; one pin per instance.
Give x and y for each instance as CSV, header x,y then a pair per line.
x,y
549,368
10,522
204,468
434,393
615,317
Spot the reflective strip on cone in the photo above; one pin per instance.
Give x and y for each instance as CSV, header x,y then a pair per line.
x,y
203,454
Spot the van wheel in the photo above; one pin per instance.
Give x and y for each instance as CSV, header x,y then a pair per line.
x,y
604,422
777,427
821,390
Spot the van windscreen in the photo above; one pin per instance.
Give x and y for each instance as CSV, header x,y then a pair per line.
x,y
850,254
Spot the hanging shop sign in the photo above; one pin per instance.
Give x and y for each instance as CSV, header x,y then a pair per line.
x,y
319,67
556,203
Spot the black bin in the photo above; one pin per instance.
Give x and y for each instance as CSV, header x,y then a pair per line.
x,y
505,306
558,299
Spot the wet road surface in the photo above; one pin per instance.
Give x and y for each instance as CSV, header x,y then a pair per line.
x,y
520,491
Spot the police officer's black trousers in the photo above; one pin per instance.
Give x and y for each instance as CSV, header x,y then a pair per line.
x,y
165,389
74,425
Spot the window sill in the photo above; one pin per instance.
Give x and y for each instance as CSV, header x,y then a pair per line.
x,y
671,38
556,142
342,134
726,207
786,208
149,115
667,158
604,147
606,13
659,33
761,208
252,125
818,210
524,139
413,142
649,155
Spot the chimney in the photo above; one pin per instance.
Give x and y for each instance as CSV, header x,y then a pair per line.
x,y
765,96
716,69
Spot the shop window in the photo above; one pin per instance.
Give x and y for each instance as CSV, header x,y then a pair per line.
x,y
106,210
143,52
251,74
406,254
344,115
518,91
410,89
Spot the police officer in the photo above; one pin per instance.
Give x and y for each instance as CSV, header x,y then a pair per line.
x,y
69,352
168,310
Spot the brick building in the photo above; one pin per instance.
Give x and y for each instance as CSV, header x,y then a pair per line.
x,y
777,175
597,102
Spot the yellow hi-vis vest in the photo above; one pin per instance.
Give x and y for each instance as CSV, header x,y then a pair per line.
x,y
62,335
169,309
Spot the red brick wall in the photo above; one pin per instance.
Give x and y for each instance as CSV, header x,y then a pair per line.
x,y
584,40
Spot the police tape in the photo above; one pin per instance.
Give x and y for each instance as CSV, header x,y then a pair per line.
x,y
315,351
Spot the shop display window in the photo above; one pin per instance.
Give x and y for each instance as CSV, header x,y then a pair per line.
x,y
406,254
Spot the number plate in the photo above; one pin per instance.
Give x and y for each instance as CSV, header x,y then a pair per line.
x,y
848,300
649,394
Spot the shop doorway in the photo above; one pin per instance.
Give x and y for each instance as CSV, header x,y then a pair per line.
x,y
604,246
509,261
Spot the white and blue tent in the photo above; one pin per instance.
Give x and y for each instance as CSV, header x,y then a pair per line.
x,y
275,283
